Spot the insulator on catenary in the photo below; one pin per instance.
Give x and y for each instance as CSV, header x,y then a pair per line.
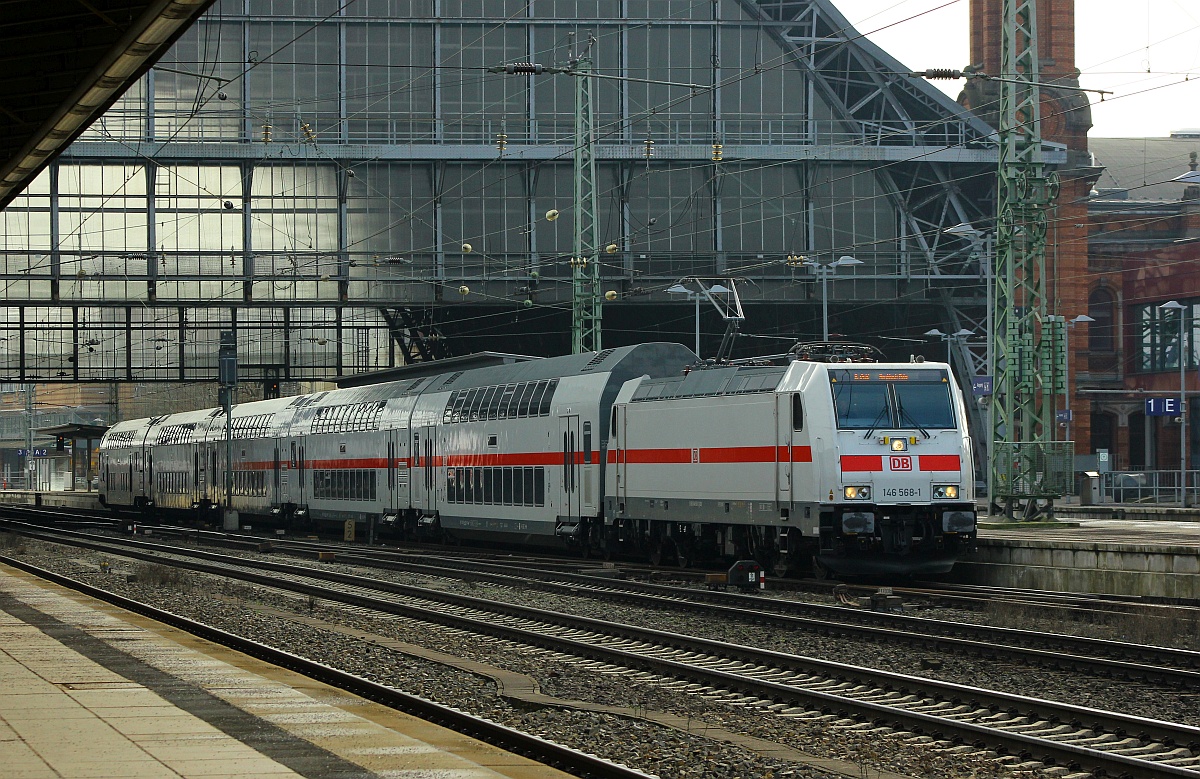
x,y
939,73
524,67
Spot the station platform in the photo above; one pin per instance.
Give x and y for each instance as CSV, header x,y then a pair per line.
x,y
92,691
78,499
1147,557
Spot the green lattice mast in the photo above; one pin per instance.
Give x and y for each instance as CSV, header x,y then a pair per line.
x,y
1027,464
585,269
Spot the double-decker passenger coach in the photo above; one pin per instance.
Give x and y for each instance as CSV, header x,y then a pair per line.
x,y
853,467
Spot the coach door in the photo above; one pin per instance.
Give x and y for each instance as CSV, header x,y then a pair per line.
x,y
616,444
571,459
783,448
424,488
276,494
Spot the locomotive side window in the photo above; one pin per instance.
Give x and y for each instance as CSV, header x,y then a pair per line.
x,y
797,412
613,423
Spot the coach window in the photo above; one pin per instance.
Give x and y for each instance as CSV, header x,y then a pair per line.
x,y
529,496
518,498
497,489
535,398
491,401
797,412
547,396
456,408
587,442
475,410
507,409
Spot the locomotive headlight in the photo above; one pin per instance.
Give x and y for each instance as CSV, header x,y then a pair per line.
x,y
945,492
856,493
899,444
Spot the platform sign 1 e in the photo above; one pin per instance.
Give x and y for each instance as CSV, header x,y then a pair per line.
x,y
1162,407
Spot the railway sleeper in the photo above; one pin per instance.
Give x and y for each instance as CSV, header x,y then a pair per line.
x,y
1148,749
1095,740
1028,765
969,715
1051,731
1078,737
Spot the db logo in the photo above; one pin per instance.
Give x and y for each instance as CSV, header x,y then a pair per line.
x,y
900,463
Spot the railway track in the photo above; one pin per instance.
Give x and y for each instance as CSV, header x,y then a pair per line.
x,y
1105,658
1111,659
1083,740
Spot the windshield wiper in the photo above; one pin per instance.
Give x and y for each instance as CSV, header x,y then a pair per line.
x,y
878,418
905,415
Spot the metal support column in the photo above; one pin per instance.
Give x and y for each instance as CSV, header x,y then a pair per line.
x,y
227,374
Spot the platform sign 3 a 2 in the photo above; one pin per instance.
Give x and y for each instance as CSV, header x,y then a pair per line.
x,y
1162,407
33,452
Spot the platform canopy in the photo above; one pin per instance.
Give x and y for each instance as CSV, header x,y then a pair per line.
x,y
66,62
75,432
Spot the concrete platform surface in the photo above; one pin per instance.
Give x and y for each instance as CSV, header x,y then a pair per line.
x,y
89,690
1133,557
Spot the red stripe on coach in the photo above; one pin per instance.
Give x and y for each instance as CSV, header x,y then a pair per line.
x,y
497,459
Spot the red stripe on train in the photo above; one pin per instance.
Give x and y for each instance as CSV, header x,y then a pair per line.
x,y
939,462
712,455
862,462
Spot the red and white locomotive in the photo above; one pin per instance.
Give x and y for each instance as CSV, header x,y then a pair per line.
x,y
857,468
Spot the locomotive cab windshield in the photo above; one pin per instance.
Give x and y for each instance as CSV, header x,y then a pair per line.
x,y
870,399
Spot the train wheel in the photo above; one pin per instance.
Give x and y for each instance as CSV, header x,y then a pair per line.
x,y
684,554
819,571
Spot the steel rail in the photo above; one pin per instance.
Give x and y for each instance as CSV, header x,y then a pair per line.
x,y
1046,750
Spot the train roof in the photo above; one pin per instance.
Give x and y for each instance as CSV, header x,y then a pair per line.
x,y
744,379
652,359
624,362
726,380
